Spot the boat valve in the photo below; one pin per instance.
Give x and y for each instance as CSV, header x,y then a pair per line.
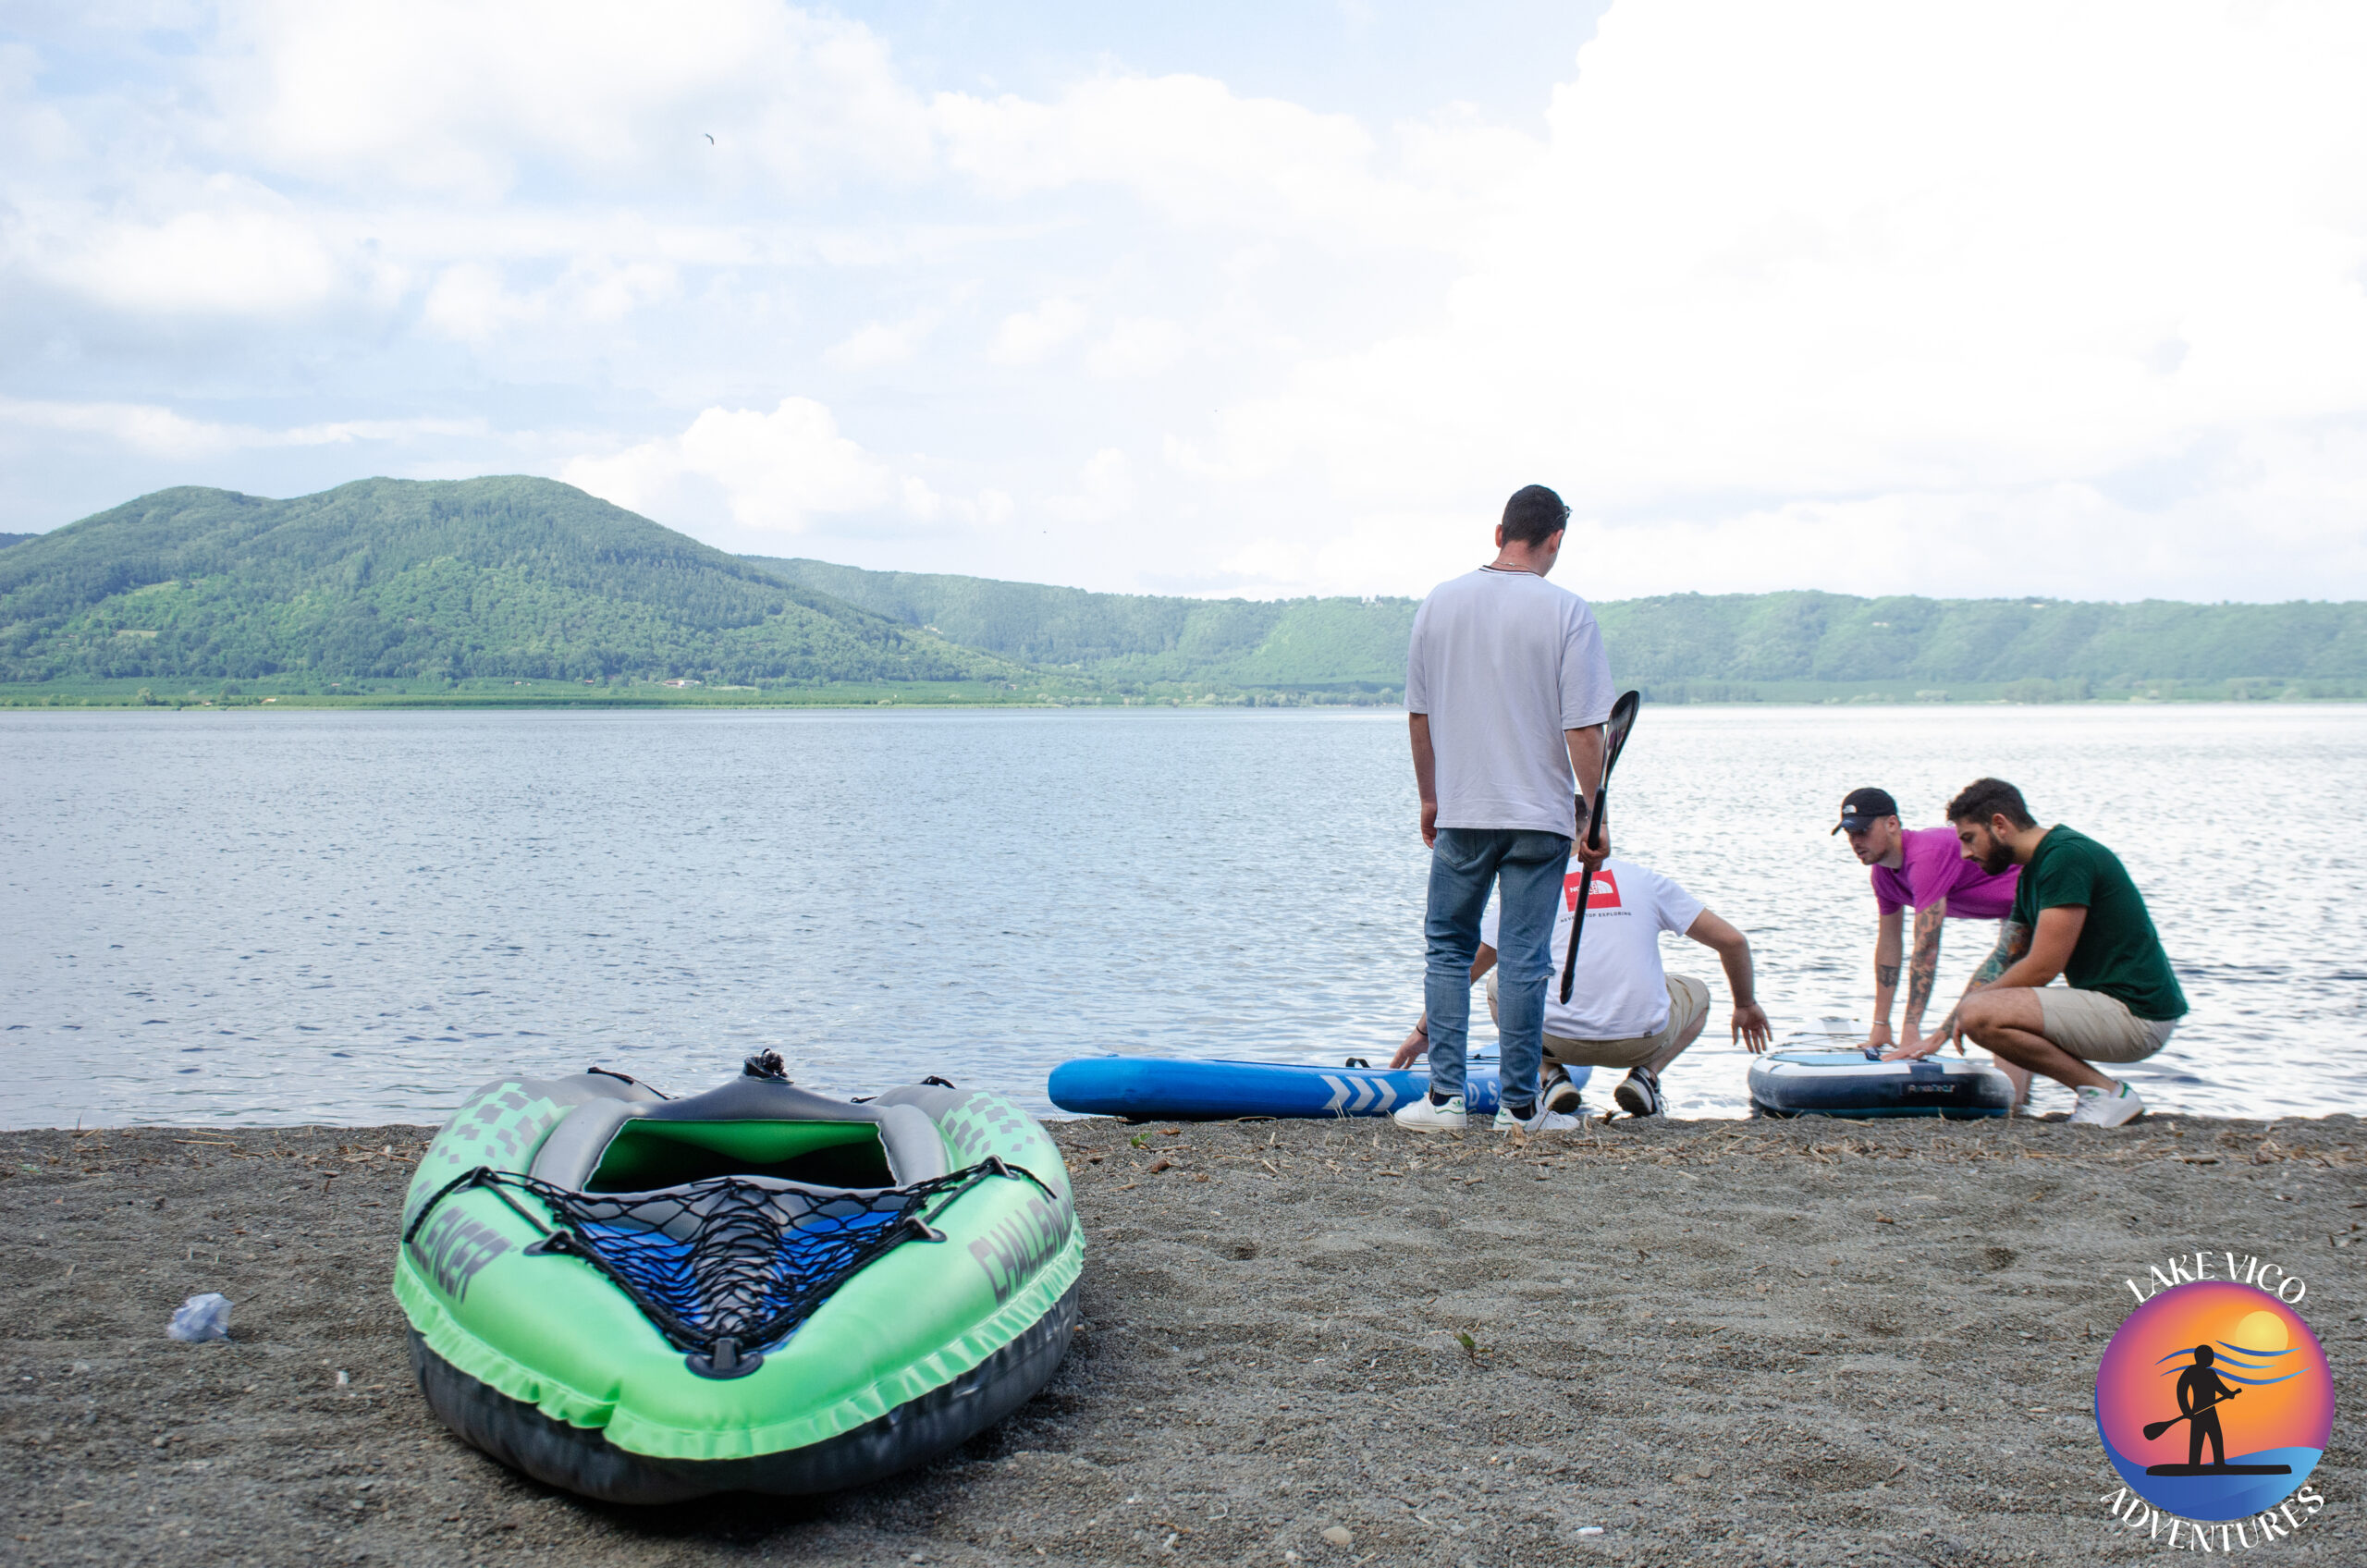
x,y
725,1359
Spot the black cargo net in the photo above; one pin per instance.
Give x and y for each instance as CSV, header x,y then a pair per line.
x,y
729,1266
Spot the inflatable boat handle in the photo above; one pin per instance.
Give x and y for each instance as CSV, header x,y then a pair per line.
x,y
484,1175
994,1162
612,1072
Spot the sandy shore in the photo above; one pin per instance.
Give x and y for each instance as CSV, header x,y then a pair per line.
x,y
1715,1341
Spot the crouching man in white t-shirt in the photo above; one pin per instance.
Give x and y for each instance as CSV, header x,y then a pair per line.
x,y
1624,1010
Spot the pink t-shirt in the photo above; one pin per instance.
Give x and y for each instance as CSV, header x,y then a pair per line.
x,y
1933,867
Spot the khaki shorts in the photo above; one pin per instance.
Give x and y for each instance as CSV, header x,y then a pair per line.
x,y
1687,1000
2096,1027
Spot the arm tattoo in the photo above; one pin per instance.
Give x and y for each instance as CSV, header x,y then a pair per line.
x,y
2012,941
1923,966
1886,976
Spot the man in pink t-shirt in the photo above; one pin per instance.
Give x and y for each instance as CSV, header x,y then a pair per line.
x,y
1923,870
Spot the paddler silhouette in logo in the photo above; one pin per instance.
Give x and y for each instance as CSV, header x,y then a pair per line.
x,y
2237,1375
2200,1394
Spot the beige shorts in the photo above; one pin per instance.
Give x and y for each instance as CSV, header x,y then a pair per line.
x,y
1687,1000
2096,1027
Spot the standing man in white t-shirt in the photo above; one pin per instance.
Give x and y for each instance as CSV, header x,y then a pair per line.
x,y
1624,1008
1506,691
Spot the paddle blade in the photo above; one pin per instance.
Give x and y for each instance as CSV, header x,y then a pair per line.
x,y
1614,741
2155,1429
1615,729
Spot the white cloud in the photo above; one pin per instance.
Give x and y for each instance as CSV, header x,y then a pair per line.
x,y
155,431
1762,280
1270,561
1105,490
1197,152
237,261
1028,337
2270,503
1139,346
468,301
473,302
470,100
921,502
599,291
1900,263
877,345
1388,545
778,472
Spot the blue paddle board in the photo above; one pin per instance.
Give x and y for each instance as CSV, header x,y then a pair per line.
x,y
1145,1089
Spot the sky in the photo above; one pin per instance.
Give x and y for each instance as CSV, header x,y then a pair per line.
x,y
1265,300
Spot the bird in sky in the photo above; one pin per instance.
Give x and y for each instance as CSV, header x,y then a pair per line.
x,y
710,137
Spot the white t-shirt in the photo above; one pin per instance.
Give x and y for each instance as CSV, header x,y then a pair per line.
x,y
1621,992
1504,662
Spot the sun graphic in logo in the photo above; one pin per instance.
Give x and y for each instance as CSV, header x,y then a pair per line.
x,y
2214,1400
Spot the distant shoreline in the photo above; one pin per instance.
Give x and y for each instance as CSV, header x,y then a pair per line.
x,y
215,694
628,705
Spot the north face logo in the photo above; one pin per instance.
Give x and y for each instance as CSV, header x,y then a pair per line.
x,y
1603,895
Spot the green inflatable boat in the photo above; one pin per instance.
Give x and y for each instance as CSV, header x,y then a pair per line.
x,y
759,1288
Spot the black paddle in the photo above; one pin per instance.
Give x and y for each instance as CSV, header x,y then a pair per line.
x,y
2155,1429
1614,741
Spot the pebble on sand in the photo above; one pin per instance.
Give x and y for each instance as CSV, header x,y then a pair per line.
x,y
1340,1534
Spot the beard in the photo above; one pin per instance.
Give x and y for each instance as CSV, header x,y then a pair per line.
x,y
1998,860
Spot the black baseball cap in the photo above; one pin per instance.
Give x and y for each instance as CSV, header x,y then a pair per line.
x,y
1860,809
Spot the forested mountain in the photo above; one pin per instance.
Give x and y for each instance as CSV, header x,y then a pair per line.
x,y
521,579
9,539
1834,637
500,576
1299,645
1680,643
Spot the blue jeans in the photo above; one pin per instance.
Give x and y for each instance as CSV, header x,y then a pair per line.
x,y
1464,864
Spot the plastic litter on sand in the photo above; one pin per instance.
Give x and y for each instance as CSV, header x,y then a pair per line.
x,y
200,1318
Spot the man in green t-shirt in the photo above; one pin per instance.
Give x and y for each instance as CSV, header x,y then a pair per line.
x,y
2078,915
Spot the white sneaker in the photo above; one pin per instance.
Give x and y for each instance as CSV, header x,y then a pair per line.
x,y
1423,1116
1544,1121
2107,1108
1557,1093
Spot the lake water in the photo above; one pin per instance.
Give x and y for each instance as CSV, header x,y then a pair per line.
x,y
356,918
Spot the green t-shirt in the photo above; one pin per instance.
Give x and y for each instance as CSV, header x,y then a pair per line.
x,y
2118,953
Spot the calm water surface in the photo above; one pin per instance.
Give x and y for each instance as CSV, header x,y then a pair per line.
x,y
358,917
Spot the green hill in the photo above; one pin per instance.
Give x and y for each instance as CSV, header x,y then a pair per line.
x,y
514,581
1684,639
1677,647
9,539
514,578
1341,646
